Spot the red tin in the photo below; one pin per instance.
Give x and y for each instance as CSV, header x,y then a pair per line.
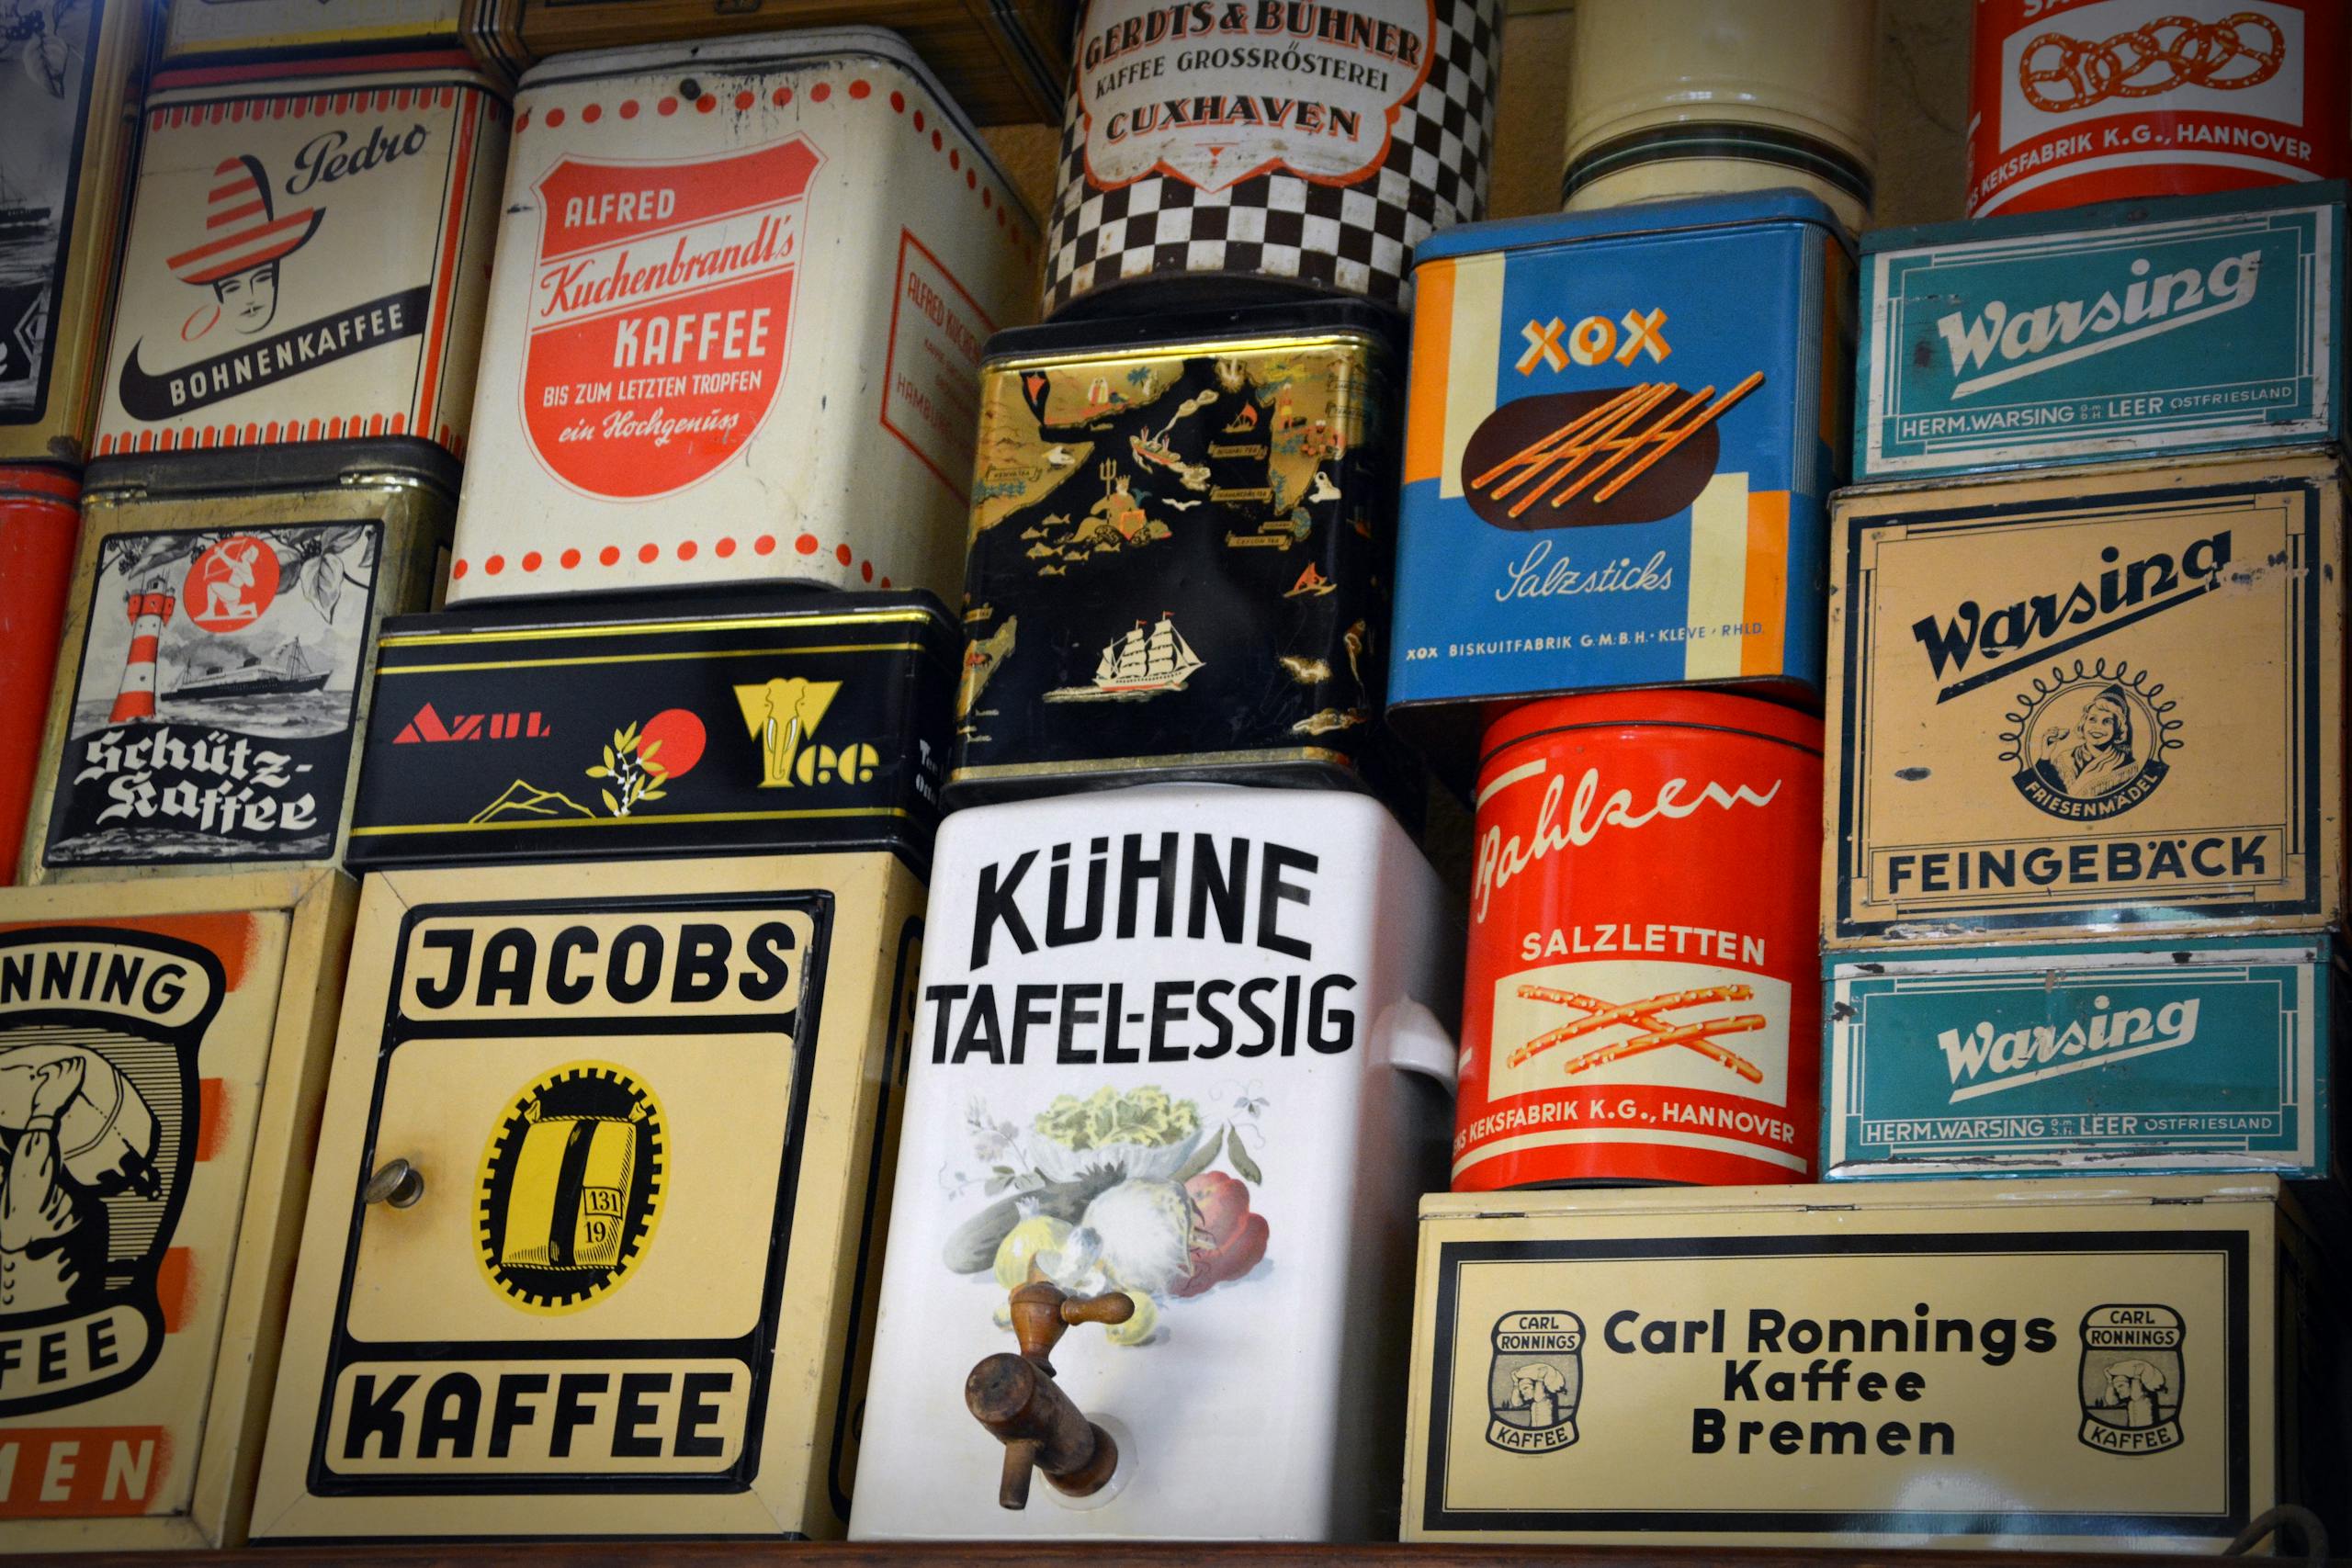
x,y
1640,1003
40,510
2107,100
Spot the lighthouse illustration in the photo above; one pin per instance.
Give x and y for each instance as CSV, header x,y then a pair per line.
x,y
149,608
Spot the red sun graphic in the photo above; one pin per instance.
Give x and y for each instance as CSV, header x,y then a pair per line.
x,y
681,735
230,586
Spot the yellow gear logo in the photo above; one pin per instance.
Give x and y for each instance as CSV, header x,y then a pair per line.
x,y
570,1187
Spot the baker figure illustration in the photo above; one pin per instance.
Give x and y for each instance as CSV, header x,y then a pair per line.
x,y
53,1233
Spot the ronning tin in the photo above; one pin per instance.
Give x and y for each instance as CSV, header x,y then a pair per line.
x,y
1640,1003
1223,152
2101,702
68,102
2144,1363
213,683
39,511
652,1104
1616,467
206,31
736,326
1178,568
2122,98
307,258
1693,97
2085,1057
2177,327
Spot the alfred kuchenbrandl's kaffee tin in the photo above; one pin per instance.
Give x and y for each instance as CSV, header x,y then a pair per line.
x,y
603,1175
1177,1053
2102,334
2097,702
1640,1001
69,85
2143,1363
307,258
736,326
2123,99
587,727
1616,467
2085,1057
1266,149
208,30
212,687
1690,97
163,1051
39,511
1178,566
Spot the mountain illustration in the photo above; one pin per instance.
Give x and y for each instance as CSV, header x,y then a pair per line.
x,y
522,799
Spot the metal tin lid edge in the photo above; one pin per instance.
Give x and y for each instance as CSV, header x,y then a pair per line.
x,y
2127,213
1634,220
1112,334
323,465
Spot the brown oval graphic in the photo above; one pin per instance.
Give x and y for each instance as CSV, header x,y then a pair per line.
x,y
1564,460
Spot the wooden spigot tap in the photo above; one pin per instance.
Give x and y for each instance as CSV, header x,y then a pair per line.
x,y
1016,1399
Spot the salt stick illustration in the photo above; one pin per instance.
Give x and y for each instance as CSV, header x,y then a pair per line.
x,y
1645,1014
1603,437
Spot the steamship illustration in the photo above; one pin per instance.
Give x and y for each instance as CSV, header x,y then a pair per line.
x,y
1138,664
295,672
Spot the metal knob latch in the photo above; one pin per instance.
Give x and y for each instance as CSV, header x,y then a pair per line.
x,y
1016,1399
396,1182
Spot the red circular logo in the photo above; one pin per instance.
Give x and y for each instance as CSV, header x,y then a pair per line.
x,y
232,585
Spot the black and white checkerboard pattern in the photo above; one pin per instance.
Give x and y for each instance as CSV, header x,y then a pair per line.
x,y
1356,238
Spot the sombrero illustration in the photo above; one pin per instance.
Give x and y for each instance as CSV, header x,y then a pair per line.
x,y
244,241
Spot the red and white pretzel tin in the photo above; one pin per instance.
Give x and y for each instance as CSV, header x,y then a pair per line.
x,y
308,257
735,329
1641,1002
2076,101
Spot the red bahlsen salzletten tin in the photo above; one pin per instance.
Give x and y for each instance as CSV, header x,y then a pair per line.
x,y
1640,1003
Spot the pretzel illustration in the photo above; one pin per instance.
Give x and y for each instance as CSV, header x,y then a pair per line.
x,y
1645,1014
2171,51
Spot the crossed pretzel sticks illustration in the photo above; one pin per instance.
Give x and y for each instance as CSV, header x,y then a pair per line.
x,y
1646,1014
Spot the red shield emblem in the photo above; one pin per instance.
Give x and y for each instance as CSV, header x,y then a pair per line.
x,y
661,314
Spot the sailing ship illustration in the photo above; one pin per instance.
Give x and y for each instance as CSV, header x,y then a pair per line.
x,y
1311,584
1138,664
21,217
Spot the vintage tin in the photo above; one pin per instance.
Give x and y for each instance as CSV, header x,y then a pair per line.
x,y
1238,151
162,1050
1178,553
670,1341
1616,467
2122,98
735,329
212,686
588,726
68,91
2134,329
1179,1043
212,30
2126,1364
2104,1056
999,60
1639,1003
39,511
307,257
1693,97
2100,702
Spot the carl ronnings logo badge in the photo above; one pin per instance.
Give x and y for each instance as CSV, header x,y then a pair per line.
x,y
2090,744
2132,1378
1535,1381
570,1187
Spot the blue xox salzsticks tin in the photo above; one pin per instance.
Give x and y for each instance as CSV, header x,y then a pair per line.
x,y
1621,432
2134,329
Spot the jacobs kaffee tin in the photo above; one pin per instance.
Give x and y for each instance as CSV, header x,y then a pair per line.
x,y
1218,153
1178,552
2123,99
2095,703
70,79
1616,467
736,326
162,1049
603,1177
1640,1003
1177,1054
588,727
39,514
2072,1058
210,31
212,685
2102,334
307,257
2126,1363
